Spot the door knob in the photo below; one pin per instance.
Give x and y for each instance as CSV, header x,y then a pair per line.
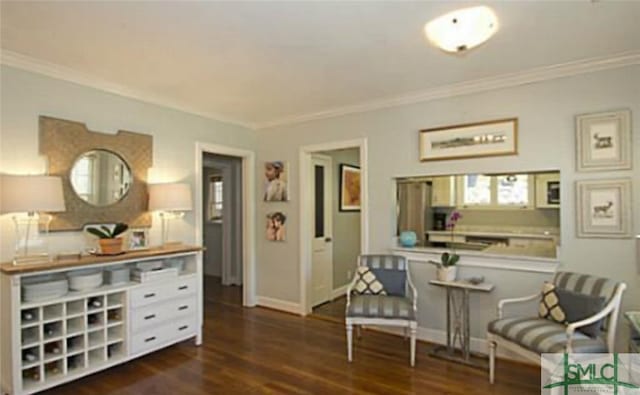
x,y
327,239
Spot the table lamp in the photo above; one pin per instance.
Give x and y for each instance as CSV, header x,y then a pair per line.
x,y
171,200
26,196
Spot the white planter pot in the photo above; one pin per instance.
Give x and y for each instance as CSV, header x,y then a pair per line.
x,y
447,273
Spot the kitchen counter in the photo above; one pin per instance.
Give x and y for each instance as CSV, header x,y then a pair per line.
x,y
505,234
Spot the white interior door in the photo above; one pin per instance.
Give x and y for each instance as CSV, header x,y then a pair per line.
x,y
322,252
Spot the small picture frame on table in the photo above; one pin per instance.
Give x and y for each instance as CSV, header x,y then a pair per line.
x,y
138,239
603,141
604,208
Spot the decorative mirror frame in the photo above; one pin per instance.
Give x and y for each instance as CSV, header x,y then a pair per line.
x,y
63,141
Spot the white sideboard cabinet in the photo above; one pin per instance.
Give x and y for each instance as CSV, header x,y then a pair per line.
x,y
48,341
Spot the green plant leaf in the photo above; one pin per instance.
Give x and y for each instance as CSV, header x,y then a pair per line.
x,y
119,229
98,232
453,259
444,258
107,230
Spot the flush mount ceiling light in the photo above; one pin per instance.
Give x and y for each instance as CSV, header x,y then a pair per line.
x,y
461,30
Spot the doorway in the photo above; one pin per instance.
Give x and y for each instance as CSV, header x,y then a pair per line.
x,y
225,224
333,230
222,219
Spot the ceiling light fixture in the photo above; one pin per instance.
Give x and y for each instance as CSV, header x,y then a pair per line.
x,y
461,30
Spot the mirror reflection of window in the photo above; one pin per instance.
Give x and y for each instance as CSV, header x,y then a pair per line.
x,y
513,189
215,198
477,189
82,176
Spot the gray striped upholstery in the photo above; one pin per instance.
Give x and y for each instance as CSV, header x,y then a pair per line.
x,y
586,284
380,306
389,262
544,336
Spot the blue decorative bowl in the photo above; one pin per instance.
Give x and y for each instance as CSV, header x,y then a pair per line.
x,y
408,238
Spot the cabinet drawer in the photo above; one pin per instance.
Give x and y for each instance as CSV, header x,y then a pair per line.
x,y
160,313
156,336
165,290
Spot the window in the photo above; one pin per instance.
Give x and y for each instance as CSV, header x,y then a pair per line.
x,y
477,189
81,176
215,198
509,190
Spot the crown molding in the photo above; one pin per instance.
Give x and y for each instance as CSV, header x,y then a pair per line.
x,y
538,74
28,63
589,65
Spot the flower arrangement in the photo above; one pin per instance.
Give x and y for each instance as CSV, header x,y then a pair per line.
x,y
449,259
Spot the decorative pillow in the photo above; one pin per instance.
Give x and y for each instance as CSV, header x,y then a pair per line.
x,y
579,306
393,281
367,283
549,307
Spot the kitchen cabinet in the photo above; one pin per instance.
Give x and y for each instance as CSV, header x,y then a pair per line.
x,y
443,191
548,190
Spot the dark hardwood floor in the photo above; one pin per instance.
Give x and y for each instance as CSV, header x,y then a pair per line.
x,y
260,351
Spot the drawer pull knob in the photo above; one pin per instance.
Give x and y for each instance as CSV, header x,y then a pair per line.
x,y
183,287
183,307
150,316
149,339
183,327
151,295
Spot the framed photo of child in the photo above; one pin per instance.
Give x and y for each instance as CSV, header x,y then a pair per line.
x,y
138,239
276,185
276,228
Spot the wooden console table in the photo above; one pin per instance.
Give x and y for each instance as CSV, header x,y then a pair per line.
x,y
458,321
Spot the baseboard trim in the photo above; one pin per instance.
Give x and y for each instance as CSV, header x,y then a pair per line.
x,y
278,304
340,291
478,345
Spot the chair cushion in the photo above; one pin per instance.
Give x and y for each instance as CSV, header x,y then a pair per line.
x,y
550,307
579,306
543,336
380,306
367,283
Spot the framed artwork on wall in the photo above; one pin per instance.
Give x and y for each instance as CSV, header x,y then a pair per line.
x,y
276,186
604,208
138,239
473,140
350,199
276,226
603,141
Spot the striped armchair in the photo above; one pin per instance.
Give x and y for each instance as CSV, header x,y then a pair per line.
x,y
397,307
531,336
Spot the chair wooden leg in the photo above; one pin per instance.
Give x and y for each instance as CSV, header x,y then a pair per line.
x,y
406,332
413,346
492,361
359,331
349,341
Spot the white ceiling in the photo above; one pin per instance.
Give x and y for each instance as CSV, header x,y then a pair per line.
x,y
261,63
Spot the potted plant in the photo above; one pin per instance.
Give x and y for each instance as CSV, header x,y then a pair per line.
x,y
110,243
447,269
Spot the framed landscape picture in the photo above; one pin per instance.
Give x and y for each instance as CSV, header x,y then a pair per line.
x,y
604,208
603,141
473,140
349,188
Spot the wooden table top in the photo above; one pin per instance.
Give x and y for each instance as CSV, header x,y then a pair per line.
x,y
11,269
484,287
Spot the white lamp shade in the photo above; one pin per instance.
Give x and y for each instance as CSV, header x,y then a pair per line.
x,y
170,197
20,193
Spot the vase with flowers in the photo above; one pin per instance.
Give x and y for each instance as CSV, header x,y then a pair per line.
x,y
447,269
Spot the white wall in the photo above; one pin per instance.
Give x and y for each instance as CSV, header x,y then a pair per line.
x,y
25,96
546,114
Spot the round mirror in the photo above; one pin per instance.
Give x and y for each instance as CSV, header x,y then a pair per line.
x,y
100,177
